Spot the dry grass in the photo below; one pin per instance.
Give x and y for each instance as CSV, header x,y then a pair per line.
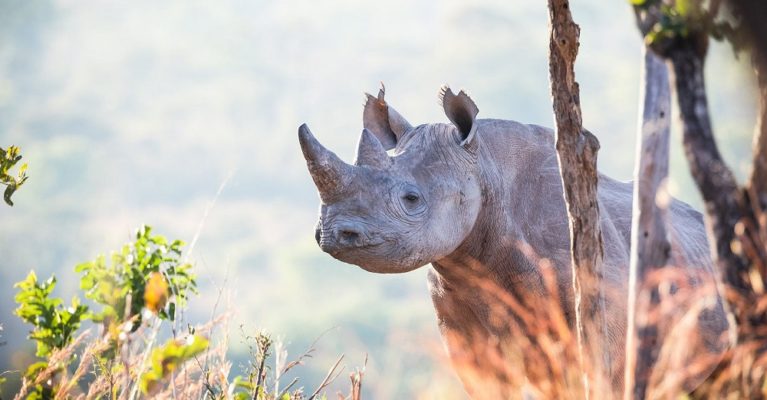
x,y
82,371
541,361
741,375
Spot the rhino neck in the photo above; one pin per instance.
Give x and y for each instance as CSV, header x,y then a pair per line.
x,y
522,219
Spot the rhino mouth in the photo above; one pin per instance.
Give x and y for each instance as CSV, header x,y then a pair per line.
x,y
340,239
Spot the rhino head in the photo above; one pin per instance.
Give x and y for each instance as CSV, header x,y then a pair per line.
x,y
412,195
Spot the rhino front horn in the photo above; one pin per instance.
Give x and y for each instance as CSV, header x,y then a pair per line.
x,y
329,173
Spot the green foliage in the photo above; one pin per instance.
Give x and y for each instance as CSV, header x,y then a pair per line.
x,y
8,159
145,279
40,392
120,286
674,22
679,19
146,273
53,324
166,359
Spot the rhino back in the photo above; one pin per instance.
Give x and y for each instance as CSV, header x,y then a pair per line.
x,y
525,157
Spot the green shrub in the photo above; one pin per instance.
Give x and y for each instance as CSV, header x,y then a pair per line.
x,y
53,324
142,285
121,286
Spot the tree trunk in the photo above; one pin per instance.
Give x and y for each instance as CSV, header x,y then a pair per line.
x,y
757,182
650,247
735,217
577,154
752,14
714,179
737,223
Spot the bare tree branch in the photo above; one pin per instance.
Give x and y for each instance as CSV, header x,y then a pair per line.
x,y
333,373
650,247
577,154
714,179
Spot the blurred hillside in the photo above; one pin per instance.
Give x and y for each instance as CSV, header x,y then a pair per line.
x,y
137,112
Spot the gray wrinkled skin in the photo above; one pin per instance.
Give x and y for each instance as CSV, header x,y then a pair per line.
x,y
477,198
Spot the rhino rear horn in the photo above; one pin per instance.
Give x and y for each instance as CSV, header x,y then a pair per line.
x,y
462,112
330,173
383,121
370,152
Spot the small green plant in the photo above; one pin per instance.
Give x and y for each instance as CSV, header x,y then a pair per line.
x,y
254,386
8,159
146,274
54,325
167,359
121,286
259,383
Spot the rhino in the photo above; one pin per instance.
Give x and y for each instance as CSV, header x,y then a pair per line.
x,y
483,196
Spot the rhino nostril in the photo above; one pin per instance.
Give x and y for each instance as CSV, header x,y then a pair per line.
x,y
349,236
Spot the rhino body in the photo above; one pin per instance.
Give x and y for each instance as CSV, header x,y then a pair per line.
x,y
482,196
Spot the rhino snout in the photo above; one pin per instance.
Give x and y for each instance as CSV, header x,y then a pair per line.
x,y
346,235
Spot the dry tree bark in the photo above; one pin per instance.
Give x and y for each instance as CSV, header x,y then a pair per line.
x,y
752,14
577,155
736,217
714,179
650,247
757,182
716,182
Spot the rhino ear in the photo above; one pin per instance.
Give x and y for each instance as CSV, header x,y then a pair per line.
x,y
462,112
383,121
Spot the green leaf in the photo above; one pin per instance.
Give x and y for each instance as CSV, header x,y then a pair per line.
x,y
9,158
35,368
9,190
169,358
128,274
53,325
683,7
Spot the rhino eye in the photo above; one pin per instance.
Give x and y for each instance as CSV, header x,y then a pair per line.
x,y
411,198
411,202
